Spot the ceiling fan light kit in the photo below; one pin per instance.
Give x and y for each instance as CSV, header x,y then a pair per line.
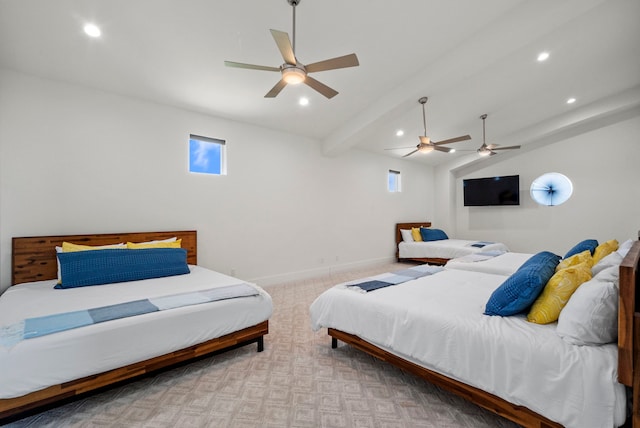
x,y
293,75
293,71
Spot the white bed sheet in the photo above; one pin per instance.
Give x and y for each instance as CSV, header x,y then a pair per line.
x,y
34,364
438,323
504,264
444,249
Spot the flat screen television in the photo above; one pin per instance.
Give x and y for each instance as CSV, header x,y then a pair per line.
x,y
503,190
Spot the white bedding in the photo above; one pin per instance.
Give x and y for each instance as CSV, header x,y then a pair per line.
x,y
438,323
444,249
34,364
504,264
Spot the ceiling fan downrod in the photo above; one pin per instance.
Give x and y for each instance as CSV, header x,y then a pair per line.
x,y
483,117
293,4
423,101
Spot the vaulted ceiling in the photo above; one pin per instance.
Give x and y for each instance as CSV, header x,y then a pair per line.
x,y
469,57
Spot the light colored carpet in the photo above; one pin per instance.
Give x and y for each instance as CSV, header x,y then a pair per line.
x,y
298,381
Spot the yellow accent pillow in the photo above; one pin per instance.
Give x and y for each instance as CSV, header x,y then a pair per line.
x,y
576,259
174,244
415,232
68,247
604,250
546,309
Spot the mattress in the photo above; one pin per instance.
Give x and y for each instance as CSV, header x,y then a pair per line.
x,y
444,249
437,322
503,264
37,363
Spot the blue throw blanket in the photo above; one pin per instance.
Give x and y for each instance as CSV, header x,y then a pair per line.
x,y
481,244
394,278
49,324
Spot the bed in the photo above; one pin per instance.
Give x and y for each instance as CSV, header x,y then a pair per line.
x,y
433,327
43,370
497,263
440,251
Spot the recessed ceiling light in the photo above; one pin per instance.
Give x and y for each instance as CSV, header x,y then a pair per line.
x,y
543,56
399,133
571,100
303,101
452,151
92,30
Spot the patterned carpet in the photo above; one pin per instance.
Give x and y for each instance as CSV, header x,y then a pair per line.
x,y
298,381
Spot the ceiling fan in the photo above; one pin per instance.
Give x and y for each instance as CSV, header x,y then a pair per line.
x,y
489,150
426,145
293,71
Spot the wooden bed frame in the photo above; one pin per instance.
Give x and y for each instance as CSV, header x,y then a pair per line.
x,y
432,260
34,259
628,356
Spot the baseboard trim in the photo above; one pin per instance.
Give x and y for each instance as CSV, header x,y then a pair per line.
x,y
267,281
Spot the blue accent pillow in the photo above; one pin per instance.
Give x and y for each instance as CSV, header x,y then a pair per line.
x,y
587,244
97,267
520,290
541,258
432,234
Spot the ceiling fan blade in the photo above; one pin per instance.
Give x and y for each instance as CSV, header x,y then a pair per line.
x,y
442,149
505,148
410,153
350,60
320,87
250,66
452,140
284,45
276,89
400,148
490,146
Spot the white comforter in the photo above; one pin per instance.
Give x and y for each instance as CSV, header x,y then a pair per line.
x,y
34,364
438,323
444,249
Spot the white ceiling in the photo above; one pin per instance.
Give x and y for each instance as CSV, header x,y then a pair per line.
x,y
469,57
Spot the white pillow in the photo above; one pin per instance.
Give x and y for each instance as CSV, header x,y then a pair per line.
x,y
174,239
612,259
591,314
406,235
624,248
610,274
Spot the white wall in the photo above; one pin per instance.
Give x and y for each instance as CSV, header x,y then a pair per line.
x,y
604,166
76,160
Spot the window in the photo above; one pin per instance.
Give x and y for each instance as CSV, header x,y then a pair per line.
x,y
207,155
394,181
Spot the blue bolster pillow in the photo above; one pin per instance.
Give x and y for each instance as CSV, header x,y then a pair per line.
x,y
96,267
587,244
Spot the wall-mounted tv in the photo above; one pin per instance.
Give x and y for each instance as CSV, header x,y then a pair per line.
x,y
503,190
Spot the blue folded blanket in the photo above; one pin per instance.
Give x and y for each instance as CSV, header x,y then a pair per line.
x,y
394,278
481,244
54,323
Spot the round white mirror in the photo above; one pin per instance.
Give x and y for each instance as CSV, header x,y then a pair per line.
x,y
551,189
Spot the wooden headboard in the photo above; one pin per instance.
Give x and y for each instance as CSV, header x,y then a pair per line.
x,y
34,258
